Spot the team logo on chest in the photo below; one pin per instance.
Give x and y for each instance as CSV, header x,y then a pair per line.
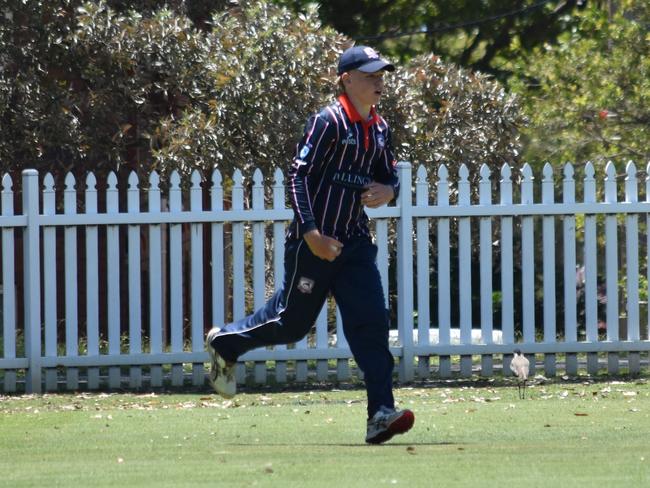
x,y
305,150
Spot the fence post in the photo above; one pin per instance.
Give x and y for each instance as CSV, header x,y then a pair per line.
x,y
32,292
405,272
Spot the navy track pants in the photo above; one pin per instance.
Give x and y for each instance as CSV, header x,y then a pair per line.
x,y
287,317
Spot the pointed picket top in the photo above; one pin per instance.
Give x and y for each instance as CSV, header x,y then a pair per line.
x,y
69,182
175,180
154,181
506,173
485,185
505,184
7,195
568,171
421,187
133,181
590,183
278,189
527,184
112,181
216,192
48,182
91,183
443,174
463,173
610,182
238,190
547,173
278,177
590,171
238,179
217,179
421,176
631,184
610,171
485,173
195,178
258,177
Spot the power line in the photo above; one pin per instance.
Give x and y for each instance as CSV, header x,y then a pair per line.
x,y
447,28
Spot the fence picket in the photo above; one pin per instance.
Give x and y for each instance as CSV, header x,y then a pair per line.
x,y
528,263
632,267
113,281
507,268
611,267
423,275
71,293
591,269
176,281
278,259
548,252
465,270
485,240
196,283
92,281
570,284
238,256
259,262
49,282
156,310
8,287
444,272
135,285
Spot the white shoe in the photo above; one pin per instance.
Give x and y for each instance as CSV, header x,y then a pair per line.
x,y
222,373
388,422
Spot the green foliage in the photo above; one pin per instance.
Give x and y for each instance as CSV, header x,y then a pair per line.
x,y
588,97
450,115
96,86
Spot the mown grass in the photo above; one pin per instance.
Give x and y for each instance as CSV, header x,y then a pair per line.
x,y
565,434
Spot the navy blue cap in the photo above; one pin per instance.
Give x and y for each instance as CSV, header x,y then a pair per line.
x,y
364,59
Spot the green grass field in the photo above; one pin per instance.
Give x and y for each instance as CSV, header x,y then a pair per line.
x,y
466,434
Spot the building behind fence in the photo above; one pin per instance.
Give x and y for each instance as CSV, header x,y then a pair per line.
x,y
119,294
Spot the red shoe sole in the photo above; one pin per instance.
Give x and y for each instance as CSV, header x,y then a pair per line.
x,y
399,426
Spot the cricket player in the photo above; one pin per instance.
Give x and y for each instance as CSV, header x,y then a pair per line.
x,y
343,163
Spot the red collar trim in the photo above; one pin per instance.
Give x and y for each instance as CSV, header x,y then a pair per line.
x,y
354,116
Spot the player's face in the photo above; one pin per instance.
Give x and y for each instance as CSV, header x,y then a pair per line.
x,y
365,87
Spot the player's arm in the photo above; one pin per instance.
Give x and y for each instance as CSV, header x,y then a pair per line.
x,y
310,154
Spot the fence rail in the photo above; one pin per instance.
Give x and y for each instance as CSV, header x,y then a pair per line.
x,y
116,288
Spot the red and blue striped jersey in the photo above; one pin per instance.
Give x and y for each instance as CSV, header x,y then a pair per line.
x,y
337,156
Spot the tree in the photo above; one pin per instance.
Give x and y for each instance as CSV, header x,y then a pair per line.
x,y
588,97
477,35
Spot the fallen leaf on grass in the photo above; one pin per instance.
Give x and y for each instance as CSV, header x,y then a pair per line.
x,y
410,450
580,414
268,468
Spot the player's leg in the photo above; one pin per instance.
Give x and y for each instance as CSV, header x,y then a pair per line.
x,y
285,318
359,295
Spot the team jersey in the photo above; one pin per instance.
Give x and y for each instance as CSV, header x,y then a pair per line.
x,y
337,156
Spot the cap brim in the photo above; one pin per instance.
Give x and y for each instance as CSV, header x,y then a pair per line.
x,y
377,65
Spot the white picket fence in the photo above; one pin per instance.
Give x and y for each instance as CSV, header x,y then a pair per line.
x,y
164,344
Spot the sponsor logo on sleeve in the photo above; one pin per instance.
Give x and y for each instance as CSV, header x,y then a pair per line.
x,y
304,151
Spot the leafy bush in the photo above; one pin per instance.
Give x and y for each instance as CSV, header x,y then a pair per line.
x,y
98,87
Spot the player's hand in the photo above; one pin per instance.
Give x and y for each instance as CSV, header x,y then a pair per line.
x,y
377,194
322,246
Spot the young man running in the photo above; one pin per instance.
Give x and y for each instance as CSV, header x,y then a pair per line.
x,y
343,162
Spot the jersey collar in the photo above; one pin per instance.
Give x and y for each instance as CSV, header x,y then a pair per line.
x,y
354,116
